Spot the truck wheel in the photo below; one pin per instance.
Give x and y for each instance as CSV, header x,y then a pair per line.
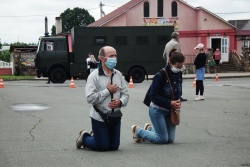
x,y
138,74
58,75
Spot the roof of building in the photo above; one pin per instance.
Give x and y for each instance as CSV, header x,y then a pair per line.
x,y
201,8
124,8
23,48
241,24
119,11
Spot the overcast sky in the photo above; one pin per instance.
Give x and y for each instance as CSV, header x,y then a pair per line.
x,y
23,20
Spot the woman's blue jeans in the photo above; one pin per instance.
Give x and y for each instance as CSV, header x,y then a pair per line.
x,y
106,136
162,131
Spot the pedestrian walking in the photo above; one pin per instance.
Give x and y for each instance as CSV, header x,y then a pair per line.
x,y
217,57
92,63
162,131
200,62
107,91
173,44
88,66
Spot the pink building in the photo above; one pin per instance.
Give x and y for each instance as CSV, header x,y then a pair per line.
x,y
195,24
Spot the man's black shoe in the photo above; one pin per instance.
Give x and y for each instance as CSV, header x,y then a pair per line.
x,y
183,99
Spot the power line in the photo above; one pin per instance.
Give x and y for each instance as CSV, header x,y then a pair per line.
x,y
43,14
112,6
32,15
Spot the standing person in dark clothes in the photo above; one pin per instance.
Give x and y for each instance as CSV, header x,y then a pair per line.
x,y
217,57
200,62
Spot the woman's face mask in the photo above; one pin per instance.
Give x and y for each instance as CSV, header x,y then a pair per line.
x,y
111,63
175,69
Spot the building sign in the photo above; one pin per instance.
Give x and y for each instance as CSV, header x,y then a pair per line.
x,y
242,38
161,22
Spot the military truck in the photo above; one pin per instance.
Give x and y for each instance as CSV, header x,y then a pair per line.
x,y
139,51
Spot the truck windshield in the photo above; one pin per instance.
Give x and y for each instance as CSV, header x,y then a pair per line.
x,y
38,45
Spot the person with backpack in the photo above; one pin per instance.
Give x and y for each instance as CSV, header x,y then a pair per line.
x,y
162,130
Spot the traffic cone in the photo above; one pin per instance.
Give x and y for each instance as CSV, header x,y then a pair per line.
x,y
131,85
72,85
194,84
1,83
217,78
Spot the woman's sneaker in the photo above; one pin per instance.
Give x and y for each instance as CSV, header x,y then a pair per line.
x,y
135,138
202,98
79,143
199,98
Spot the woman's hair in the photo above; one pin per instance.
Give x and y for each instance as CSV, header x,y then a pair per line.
x,y
176,57
92,58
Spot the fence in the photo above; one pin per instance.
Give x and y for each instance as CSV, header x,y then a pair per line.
x,y
189,59
5,68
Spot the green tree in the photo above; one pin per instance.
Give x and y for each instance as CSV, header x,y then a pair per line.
x,y
19,44
75,17
32,44
5,55
1,45
6,44
53,30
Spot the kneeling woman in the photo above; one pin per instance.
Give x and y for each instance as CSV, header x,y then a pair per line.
x,y
162,131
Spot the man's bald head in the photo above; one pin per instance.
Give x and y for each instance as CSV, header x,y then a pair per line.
x,y
106,49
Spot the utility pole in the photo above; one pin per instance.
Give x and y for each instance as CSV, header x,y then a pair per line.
x,y
101,10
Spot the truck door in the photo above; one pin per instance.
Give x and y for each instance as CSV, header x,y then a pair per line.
x,y
46,55
61,52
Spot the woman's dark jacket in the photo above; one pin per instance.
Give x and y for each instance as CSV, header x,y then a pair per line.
x,y
200,60
92,65
160,93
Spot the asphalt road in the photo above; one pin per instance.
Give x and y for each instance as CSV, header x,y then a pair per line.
x,y
40,122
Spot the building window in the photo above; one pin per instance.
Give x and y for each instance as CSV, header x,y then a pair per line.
x,y
146,9
141,40
162,39
100,40
49,46
160,8
174,9
121,40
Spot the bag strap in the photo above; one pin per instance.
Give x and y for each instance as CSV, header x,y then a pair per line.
x,y
172,97
112,93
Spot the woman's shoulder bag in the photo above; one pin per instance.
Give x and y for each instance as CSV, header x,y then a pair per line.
x,y
174,113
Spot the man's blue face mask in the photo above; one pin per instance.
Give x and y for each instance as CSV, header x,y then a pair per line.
x,y
111,63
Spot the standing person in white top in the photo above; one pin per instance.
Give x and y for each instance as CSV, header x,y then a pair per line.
x,y
173,44
92,63
88,66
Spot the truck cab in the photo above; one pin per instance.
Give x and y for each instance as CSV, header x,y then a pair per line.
x,y
51,58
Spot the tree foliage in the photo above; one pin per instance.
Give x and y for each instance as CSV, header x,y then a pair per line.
x,y
5,55
1,45
75,17
53,30
19,44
